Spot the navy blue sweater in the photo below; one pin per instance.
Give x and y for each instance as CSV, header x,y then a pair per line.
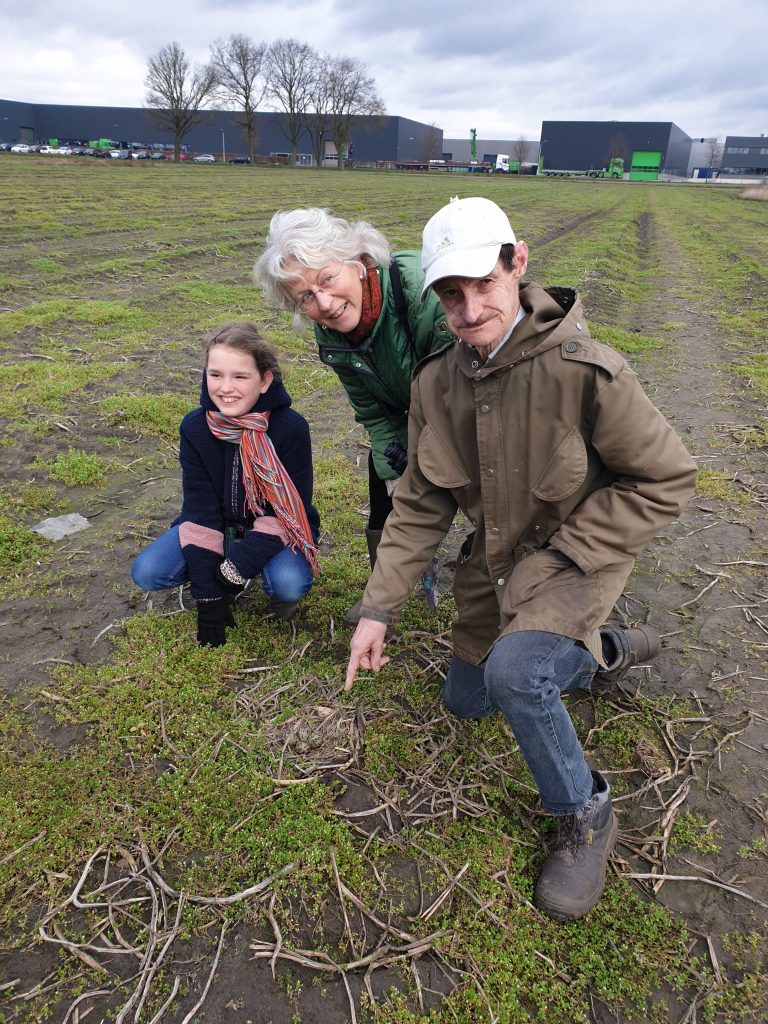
x,y
214,496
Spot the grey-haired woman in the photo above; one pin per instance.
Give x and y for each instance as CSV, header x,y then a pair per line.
x,y
370,325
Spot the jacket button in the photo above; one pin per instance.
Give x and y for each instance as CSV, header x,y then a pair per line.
x,y
572,346
329,358
489,472
494,529
475,364
483,408
442,326
357,366
578,325
500,582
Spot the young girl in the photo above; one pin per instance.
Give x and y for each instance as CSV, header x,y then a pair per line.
x,y
246,463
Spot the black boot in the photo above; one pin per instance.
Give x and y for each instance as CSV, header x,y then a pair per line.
x,y
623,648
372,537
573,877
283,610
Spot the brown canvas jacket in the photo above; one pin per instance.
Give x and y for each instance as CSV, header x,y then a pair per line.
x,y
560,462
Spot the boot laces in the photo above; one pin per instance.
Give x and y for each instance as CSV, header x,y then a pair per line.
x,y
574,831
569,834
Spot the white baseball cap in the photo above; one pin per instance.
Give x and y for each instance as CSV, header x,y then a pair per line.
x,y
464,239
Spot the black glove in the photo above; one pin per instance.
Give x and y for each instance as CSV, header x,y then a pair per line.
x,y
212,619
227,585
396,456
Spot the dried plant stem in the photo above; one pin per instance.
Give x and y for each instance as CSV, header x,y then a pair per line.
x,y
190,1016
696,878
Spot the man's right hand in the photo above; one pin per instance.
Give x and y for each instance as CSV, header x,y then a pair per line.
x,y
366,649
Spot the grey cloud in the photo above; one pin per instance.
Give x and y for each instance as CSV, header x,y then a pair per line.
x,y
499,67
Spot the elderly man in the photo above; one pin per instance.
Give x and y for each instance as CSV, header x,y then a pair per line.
x,y
548,444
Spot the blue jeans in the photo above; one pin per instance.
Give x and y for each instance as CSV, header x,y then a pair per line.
x,y
286,577
523,677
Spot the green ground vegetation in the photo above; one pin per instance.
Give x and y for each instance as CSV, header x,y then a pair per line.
x,y
110,279
76,468
716,483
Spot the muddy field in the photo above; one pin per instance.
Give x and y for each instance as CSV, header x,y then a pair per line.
x,y
387,871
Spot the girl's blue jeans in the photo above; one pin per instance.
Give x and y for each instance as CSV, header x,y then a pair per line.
x,y
287,577
524,676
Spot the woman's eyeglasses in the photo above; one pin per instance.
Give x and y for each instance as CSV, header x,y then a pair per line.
x,y
325,283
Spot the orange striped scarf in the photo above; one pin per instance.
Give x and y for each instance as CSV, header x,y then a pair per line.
x,y
265,478
370,307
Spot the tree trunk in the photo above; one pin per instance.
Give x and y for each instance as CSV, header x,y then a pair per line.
x,y
339,154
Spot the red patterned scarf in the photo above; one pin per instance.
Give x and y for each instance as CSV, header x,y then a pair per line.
x,y
371,308
265,479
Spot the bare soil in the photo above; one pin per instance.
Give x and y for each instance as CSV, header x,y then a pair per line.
x,y
702,583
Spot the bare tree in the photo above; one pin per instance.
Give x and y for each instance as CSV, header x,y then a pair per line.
x,y
714,155
292,67
433,143
239,65
618,145
177,92
318,122
352,92
519,151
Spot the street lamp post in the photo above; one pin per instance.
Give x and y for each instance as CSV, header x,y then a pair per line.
x,y
223,148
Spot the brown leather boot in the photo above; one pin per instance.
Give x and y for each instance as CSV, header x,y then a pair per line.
x,y
624,648
573,877
372,537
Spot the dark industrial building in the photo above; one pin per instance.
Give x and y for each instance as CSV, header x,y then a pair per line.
x,y
660,147
373,141
745,156
586,145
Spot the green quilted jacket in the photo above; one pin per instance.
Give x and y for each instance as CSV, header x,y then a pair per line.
x,y
377,373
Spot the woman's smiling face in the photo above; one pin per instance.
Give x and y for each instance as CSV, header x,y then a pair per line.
x,y
331,296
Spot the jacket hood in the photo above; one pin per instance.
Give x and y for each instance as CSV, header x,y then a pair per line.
x,y
275,397
552,314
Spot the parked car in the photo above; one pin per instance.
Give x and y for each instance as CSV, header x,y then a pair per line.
x,y
62,151
204,158
140,154
157,156
47,149
240,160
20,147
120,154
5,147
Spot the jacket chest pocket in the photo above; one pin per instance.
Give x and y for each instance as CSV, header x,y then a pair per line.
x,y
439,462
565,471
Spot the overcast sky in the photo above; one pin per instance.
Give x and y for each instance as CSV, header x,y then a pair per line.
x,y
493,65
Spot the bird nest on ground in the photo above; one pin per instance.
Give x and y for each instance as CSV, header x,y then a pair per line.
x,y
321,735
